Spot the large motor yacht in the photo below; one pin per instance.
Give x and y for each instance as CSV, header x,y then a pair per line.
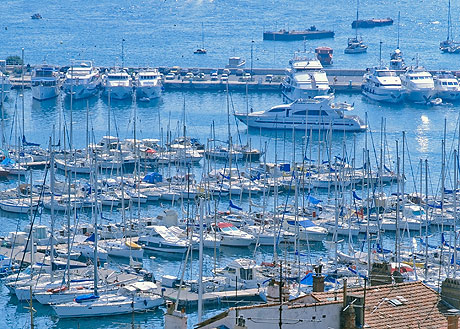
x,y
382,85
45,82
318,113
117,84
305,78
418,84
82,80
447,87
148,84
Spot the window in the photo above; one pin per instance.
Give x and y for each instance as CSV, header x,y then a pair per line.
x,y
246,273
277,110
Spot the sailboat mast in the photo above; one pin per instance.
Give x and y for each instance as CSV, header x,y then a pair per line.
x,y
399,18
357,18
448,22
202,36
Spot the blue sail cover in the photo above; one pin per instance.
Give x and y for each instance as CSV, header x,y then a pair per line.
x,y
91,238
84,298
232,205
313,199
304,223
8,162
308,279
356,196
153,178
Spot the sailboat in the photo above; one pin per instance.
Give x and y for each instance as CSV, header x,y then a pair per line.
x,y
396,59
449,45
201,50
355,45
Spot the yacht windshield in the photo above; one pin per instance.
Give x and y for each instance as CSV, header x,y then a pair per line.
x,y
386,74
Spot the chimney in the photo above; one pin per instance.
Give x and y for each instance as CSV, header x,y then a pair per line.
x,y
452,318
450,292
240,323
318,279
381,274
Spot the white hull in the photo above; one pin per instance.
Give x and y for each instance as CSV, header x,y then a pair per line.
x,y
83,91
235,241
447,95
41,92
119,92
387,96
106,306
19,208
419,95
148,92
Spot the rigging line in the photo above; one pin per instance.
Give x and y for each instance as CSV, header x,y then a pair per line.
x,y
42,192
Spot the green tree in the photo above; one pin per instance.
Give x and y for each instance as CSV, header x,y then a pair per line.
x,y
13,60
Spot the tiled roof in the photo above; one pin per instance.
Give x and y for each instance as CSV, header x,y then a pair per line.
x,y
405,305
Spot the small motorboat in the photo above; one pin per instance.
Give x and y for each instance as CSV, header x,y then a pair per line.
x,y
36,16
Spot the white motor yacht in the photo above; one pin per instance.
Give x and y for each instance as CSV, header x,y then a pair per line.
x,y
82,80
305,78
318,113
159,238
447,87
382,85
122,248
232,236
45,82
418,84
117,84
148,84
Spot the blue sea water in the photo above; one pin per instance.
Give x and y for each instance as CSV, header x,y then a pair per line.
x,y
165,33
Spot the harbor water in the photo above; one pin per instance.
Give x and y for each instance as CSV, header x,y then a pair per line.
x,y
165,33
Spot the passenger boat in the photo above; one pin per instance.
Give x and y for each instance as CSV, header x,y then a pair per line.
x,y
317,113
418,84
148,84
117,84
305,78
382,85
82,80
45,82
285,35
369,23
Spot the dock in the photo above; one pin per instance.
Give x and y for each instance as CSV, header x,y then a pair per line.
x,y
189,299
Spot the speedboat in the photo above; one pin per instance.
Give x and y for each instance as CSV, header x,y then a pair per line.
x,y
418,84
318,113
45,82
82,80
159,238
355,46
446,86
304,79
117,84
122,248
232,236
148,84
5,86
382,85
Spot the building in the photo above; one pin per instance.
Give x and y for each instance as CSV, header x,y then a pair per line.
x,y
401,305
